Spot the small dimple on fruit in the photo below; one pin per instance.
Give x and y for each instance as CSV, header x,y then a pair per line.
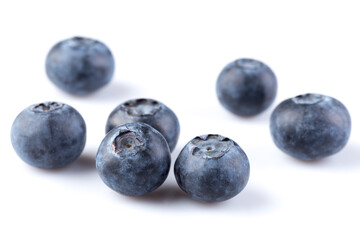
x,y
308,98
81,42
141,107
126,141
46,106
249,64
210,146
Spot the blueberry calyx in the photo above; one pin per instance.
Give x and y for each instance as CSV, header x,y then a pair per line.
x,y
78,42
126,142
141,107
308,98
248,64
46,106
211,146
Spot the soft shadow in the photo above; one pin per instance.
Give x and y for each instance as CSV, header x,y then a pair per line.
x,y
84,164
262,118
175,153
166,193
115,90
346,159
250,199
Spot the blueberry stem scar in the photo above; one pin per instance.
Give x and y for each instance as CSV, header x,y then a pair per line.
x,y
126,141
210,146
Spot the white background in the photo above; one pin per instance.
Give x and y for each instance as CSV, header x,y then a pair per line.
x,y
173,52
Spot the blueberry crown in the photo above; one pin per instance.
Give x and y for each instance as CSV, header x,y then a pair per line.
x,y
308,98
141,107
210,146
127,142
46,106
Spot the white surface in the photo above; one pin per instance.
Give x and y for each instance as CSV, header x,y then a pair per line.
x,y
174,53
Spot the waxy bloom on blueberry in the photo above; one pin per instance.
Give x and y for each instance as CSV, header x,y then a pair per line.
x,y
246,87
80,65
212,168
310,126
133,159
49,135
148,111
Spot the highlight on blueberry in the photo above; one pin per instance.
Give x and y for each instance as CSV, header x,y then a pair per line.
x,y
310,126
212,168
246,87
133,159
148,111
49,135
80,65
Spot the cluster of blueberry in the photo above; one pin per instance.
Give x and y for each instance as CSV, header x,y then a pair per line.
x,y
134,157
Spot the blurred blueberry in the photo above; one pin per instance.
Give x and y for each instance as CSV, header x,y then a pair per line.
x,y
246,87
148,111
310,126
79,65
48,135
212,168
133,159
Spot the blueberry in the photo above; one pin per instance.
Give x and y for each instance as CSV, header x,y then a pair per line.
x,y
148,111
79,65
212,168
310,126
246,87
133,159
48,135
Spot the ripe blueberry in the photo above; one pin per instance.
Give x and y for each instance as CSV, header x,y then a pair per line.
x,y
246,87
148,111
212,168
310,126
79,65
133,159
48,135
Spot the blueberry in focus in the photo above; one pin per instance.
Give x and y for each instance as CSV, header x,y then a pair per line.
x,y
212,168
148,111
310,126
246,87
133,159
79,65
49,135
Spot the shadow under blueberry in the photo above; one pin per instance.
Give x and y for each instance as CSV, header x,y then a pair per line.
x,y
250,199
347,159
84,164
116,90
262,118
165,193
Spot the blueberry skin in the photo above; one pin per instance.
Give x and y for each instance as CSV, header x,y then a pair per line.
x,y
133,159
246,87
148,111
212,168
49,135
310,126
79,65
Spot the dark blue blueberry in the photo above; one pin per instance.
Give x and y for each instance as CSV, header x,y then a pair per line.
x,y
133,159
310,126
80,65
148,111
246,87
212,168
49,135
